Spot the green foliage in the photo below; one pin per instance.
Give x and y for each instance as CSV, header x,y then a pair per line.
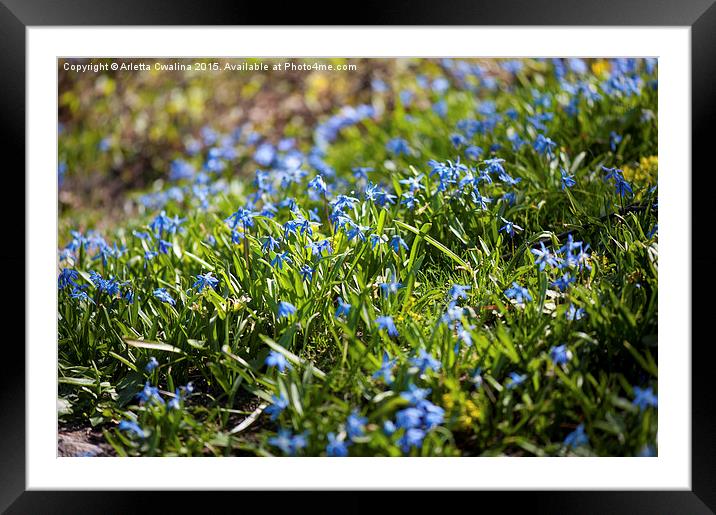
x,y
218,339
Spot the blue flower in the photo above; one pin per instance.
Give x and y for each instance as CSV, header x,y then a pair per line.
x,y
306,273
278,360
516,380
473,152
242,217
414,183
317,247
612,173
644,398
131,427
544,256
614,140
204,280
163,295
574,313
386,369
413,437
279,404
560,355
396,242
398,146
175,402
386,323
648,451
577,438
494,165
286,309
567,179
287,442
81,295
563,282
152,364
440,108
476,377
507,179
355,424
336,447
453,315
424,360
510,227
414,394
458,291
389,427
343,308
150,393
280,259
517,292
164,246
318,184
544,145
67,278
409,417
622,187
457,140
432,415
390,287
265,154
269,244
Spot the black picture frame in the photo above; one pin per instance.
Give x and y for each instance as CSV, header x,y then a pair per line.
x,y
17,15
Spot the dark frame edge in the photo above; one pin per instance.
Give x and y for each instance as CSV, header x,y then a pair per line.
x,y
703,112
12,145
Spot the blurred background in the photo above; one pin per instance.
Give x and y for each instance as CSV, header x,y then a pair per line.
x,y
120,130
124,134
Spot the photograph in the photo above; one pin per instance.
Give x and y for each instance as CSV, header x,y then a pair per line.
x,y
357,257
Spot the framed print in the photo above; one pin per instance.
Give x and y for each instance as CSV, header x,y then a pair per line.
x,y
375,257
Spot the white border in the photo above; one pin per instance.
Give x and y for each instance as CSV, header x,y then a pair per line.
x,y
670,470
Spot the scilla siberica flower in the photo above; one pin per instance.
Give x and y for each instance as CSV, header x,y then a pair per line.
x,y
519,293
544,257
458,291
560,355
131,427
396,243
355,424
278,360
286,309
163,295
516,380
510,227
336,447
204,280
574,313
424,360
413,437
306,273
385,371
644,398
343,308
390,287
152,364
318,184
279,404
287,442
386,323
67,278
567,179
577,438
397,146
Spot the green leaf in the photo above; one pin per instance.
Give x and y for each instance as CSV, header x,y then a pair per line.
x,y
153,345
